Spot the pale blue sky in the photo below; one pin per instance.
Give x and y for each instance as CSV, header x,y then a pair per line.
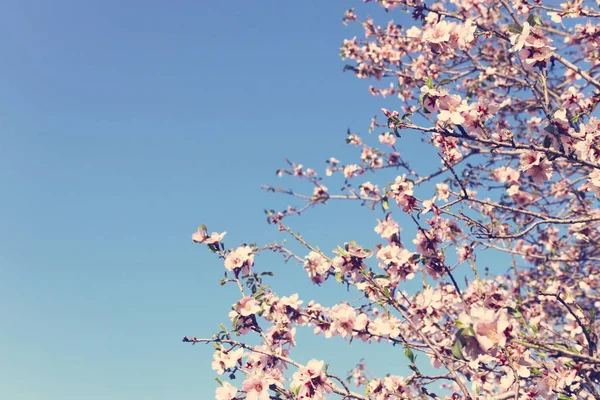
x,y
123,127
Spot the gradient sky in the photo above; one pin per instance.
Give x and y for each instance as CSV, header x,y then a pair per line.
x,y
123,127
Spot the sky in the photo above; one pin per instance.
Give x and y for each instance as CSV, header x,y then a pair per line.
x,y
123,127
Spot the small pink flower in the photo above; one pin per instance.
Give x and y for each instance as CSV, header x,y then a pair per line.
x,y
442,191
518,40
489,326
593,183
247,306
225,392
223,360
256,387
241,258
428,205
464,253
344,318
215,238
320,192
317,267
520,197
385,327
451,109
351,170
506,174
387,138
439,33
387,228
199,237
311,381
357,251
536,165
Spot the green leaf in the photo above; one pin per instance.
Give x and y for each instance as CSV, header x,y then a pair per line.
x,y
515,28
409,354
550,129
515,313
443,82
535,329
219,381
547,142
460,324
386,291
338,277
429,83
385,204
342,251
534,20
295,389
457,349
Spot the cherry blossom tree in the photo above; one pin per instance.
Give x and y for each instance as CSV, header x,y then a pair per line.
x,y
503,93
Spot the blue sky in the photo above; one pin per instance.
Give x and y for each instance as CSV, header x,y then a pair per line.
x,y
123,127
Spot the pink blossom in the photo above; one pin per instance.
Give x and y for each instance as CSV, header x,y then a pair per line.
x,y
428,205
387,138
506,174
536,165
311,381
352,170
201,236
357,251
215,238
442,191
387,327
241,258
451,108
402,191
247,306
594,182
464,253
437,33
387,228
518,40
225,392
344,318
320,192
317,267
256,387
368,189
464,34
223,360
426,242
520,197
489,326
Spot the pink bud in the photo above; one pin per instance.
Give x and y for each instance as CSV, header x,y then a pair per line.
x,y
386,112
